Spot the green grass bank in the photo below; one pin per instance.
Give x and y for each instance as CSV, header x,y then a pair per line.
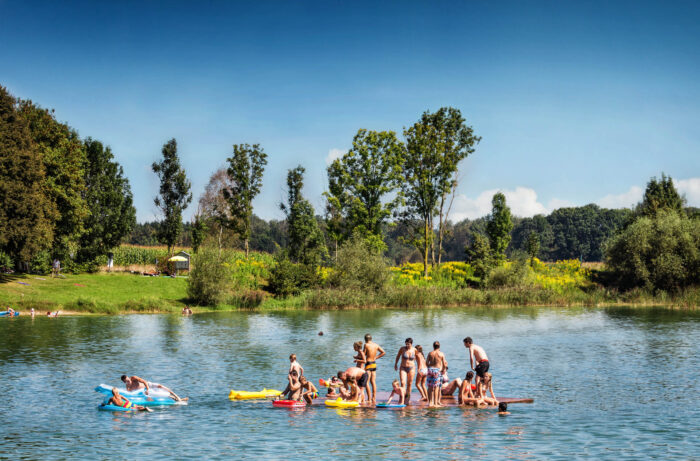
x,y
126,293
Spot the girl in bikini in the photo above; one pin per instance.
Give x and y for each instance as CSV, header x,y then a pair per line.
x,y
407,354
422,374
360,358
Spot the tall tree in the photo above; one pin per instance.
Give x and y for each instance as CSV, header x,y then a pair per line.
x,y
457,141
533,246
108,194
214,209
360,180
306,242
499,226
174,196
245,172
660,195
64,158
26,212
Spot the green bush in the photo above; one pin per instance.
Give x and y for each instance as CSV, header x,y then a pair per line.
x,y
5,261
661,252
209,277
40,263
288,278
359,266
512,274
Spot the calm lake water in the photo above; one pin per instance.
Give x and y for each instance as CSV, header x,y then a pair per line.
x,y
616,384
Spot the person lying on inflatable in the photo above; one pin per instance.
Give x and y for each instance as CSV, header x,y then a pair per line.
x,y
118,401
134,383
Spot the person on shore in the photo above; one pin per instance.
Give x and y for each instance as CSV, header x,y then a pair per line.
x,y
293,389
421,373
373,352
360,358
360,379
397,390
55,268
186,310
477,355
10,312
119,401
134,383
449,387
295,366
308,390
32,313
437,363
407,372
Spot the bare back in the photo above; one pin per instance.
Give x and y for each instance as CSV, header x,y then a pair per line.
x,y
371,349
436,359
479,353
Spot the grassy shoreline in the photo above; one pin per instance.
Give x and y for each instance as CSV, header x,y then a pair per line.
x,y
123,293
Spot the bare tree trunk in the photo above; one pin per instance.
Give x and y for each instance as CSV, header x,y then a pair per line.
x,y
426,246
246,248
441,230
336,251
221,230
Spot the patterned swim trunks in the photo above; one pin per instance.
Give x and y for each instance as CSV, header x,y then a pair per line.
x,y
434,377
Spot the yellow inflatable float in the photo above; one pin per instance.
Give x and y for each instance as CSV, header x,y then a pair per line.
x,y
246,395
340,403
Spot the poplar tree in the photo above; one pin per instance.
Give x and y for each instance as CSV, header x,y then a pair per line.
x,y
499,225
306,242
245,172
174,195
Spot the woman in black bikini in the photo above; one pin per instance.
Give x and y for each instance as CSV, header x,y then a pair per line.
x,y
408,367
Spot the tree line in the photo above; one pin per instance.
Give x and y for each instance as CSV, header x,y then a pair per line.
x,y
60,196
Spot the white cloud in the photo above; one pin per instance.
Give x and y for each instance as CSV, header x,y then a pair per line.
x,y
522,202
625,200
556,203
334,154
690,188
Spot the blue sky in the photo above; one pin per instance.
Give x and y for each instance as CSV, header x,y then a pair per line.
x,y
576,103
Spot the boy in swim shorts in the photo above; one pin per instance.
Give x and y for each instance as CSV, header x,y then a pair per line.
x,y
308,390
118,401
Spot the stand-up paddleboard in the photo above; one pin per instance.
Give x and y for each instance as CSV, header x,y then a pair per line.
x,y
288,404
340,403
107,390
390,405
246,395
7,314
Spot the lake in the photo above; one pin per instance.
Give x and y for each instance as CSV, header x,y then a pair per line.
x,y
607,383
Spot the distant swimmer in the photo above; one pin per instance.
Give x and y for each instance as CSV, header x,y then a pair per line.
x,y
503,409
407,354
294,365
134,383
373,352
119,401
477,355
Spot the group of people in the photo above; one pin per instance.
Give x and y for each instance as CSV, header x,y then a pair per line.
x,y
430,374
134,383
32,312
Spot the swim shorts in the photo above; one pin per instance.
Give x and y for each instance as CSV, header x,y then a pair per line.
x,y
371,366
482,368
362,382
434,377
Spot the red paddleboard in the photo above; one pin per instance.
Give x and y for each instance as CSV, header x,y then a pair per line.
x,y
288,404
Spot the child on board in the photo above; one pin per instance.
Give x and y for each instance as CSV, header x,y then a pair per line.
x,y
308,390
360,359
397,390
487,386
295,366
